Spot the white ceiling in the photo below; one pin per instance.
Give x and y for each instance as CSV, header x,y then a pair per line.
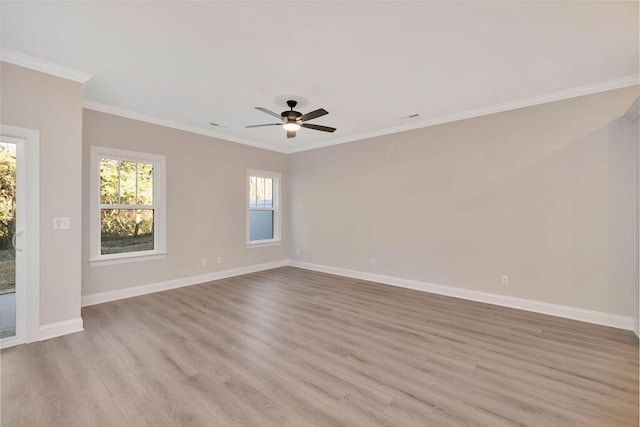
x,y
370,64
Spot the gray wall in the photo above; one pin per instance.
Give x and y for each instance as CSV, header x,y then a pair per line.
x,y
543,194
206,202
52,105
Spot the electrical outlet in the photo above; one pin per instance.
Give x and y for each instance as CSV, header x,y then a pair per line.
x,y
61,223
372,261
504,280
297,251
219,260
204,262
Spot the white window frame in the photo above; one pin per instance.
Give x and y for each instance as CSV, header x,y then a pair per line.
x,y
277,218
96,258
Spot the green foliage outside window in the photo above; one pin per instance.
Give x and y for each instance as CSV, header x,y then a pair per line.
x,y
7,194
128,186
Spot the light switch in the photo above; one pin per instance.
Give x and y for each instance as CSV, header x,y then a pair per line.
x,y
61,222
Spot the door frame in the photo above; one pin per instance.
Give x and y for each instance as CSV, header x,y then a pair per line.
x,y
28,209
633,114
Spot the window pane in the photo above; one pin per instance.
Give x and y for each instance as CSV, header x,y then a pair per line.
x,y
127,182
126,230
145,183
268,192
260,225
108,181
7,230
260,192
253,191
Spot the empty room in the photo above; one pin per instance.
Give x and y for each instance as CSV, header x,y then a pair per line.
x,y
319,213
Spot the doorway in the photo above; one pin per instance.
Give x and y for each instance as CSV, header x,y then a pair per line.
x,y
19,236
8,238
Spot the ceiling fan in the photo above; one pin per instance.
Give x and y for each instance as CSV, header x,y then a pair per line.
x,y
294,120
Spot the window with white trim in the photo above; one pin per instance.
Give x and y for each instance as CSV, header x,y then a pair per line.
x,y
127,205
263,215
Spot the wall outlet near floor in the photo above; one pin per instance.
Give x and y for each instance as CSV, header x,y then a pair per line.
x,y
219,260
504,280
372,261
297,251
204,262
61,223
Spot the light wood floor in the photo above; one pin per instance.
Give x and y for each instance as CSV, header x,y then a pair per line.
x,y
293,347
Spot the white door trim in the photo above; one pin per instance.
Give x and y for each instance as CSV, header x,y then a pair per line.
x,y
28,207
633,114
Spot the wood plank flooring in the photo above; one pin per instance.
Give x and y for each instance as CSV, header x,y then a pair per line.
x,y
294,347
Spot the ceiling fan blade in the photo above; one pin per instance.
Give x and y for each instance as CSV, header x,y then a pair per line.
x,y
318,127
271,113
314,114
268,124
291,134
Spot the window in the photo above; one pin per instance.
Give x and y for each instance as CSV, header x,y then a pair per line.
x,y
127,205
263,217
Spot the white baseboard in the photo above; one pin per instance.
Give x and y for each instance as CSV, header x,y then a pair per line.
x,y
10,342
135,291
581,314
590,316
57,329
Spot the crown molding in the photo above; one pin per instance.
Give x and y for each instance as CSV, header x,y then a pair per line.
x,y
17,58
589,89
117,111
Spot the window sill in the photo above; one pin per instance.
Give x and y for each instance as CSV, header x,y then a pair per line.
x,y
260,244
127,259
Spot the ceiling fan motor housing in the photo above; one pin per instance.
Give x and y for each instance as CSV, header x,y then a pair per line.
x,y
291,116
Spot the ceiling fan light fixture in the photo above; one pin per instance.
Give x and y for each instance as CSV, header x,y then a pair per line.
x,y
293,120
291,126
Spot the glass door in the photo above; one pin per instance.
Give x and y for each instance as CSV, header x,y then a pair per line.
x,y
8,239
